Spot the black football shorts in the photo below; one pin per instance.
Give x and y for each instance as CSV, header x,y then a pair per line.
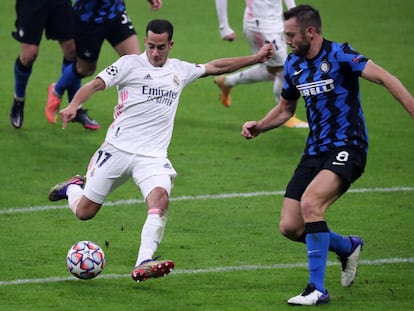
x,y
54,17
348,162
89,36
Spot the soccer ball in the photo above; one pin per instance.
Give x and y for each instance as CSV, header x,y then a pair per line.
x,y
85,260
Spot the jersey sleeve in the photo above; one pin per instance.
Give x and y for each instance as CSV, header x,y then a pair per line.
x,y
289,91
192,71
115,73
352,59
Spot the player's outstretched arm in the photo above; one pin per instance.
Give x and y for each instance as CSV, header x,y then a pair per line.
x,y
82,95
377,74
230,64
277,116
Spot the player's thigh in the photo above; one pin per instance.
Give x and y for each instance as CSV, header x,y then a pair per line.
x,y
338,168
149,173
107,170
254,38
279,48
128,46
89,38
258,37
122,36
324,189
60,21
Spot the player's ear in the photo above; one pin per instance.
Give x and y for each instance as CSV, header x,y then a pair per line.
x,y
171,44
310,31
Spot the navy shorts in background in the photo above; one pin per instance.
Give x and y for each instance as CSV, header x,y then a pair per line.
x,y
89,36
54,17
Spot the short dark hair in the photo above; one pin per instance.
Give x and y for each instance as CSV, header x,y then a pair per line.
x,y
160,26
306,16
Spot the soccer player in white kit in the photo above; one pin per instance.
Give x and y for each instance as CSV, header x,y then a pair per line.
x,y
149,87
262,23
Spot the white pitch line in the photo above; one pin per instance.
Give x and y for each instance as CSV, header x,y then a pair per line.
x,y
209,270
221,196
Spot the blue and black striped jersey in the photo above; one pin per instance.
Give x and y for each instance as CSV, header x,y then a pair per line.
x,y
98,11
329,84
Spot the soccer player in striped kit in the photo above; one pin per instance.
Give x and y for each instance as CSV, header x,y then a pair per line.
x,y
326,74
55,19
95,21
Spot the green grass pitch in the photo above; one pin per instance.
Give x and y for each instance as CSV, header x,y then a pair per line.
x,y
222,230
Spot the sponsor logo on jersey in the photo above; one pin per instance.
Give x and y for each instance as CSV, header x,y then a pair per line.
x,y
315,88
159,95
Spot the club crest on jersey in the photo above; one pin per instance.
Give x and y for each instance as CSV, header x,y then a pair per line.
x,y
176,80
112,70
325,67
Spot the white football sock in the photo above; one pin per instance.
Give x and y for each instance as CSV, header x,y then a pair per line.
x,y
151,235
278,85
74,193
257,73
224,26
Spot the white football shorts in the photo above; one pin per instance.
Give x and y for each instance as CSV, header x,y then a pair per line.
x,y
110,167
257,37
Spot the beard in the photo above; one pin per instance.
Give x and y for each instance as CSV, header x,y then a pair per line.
x,y
302,49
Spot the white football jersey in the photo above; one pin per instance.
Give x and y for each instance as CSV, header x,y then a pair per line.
x,y
266,14
148,97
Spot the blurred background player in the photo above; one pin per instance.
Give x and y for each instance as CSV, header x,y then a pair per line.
x,y
55,17
262,22
95,21
226,32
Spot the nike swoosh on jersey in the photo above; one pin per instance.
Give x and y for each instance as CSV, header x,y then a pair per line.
x,y
297,72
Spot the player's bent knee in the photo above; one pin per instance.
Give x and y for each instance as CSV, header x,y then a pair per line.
x,y
86,211
84,68
82,215
158,197
289,231
311,211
